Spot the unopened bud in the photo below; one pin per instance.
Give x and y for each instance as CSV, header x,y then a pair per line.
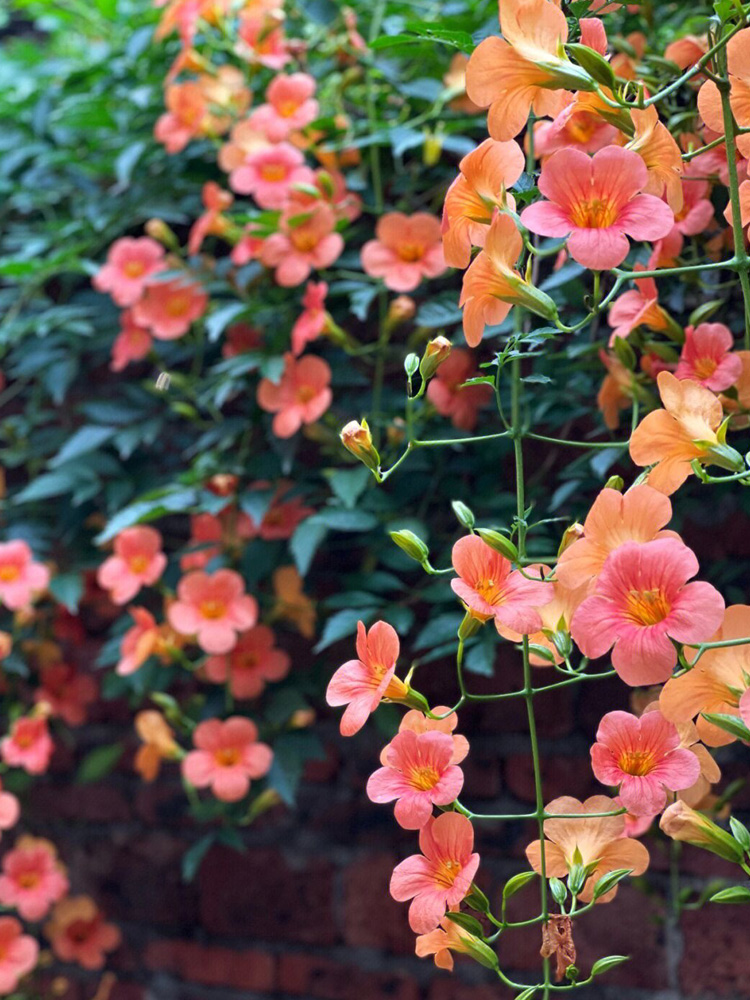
x,y
572,534
357,439
436,352
680,822
6,644
411,544
470,625
158,230
401,310
433,147
615,483
500,543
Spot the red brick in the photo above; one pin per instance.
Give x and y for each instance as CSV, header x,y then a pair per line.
x,y
263,896
372,919
714,962
212,965
96,803
560,776
323,978
447,988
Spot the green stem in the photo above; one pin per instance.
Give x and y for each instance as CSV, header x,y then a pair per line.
x,y
741,257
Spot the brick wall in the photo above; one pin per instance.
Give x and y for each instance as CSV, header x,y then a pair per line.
x,y
304,912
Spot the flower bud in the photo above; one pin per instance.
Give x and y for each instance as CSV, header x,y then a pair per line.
x,y
158,230
572,534
357,439
6,644
470,625
615,483
436,352
401,310
433,147
411,544
500,543
680,822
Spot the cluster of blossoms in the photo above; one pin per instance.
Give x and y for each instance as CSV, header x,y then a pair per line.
x,y
610,175
35,892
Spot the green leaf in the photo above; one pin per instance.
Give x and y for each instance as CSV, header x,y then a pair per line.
x,y
349,484
469,923
729,723
193,857
517,882
605,964
339,519
84,440
304,544
181,501
343,624
217,322
607,882
740,833
735,894
67,588
97,764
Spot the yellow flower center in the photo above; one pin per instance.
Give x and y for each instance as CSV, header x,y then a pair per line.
x,y
227,757
177,305
446,872
581,128
248,661
287,108
28,880
490,591
139,564
134,269
410,252
303,240
705,367
213,609
637,762
647,607
9,573
595,214
424,778
273,172
305,393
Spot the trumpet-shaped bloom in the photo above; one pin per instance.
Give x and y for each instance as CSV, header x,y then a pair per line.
x,y
637,307
642,601
524,70
169,308
715,684
79,933
227,757
306,240
20,577
661,155
579,125
492,285
157,744
583,840
132,343
290,105
269,173
212,222
143,639
66,692
709,98
670,439
697,212
706,357
490,588
213,608
616,391
451,398
418,774
314,318
33,878
441,875
10,809
597,203
447,938
361,684
406,249
18,954
28,745
186,116
291,603
253,662
130,263
301,397
138,561
644,758
615,518
417,722
556,617
472,198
